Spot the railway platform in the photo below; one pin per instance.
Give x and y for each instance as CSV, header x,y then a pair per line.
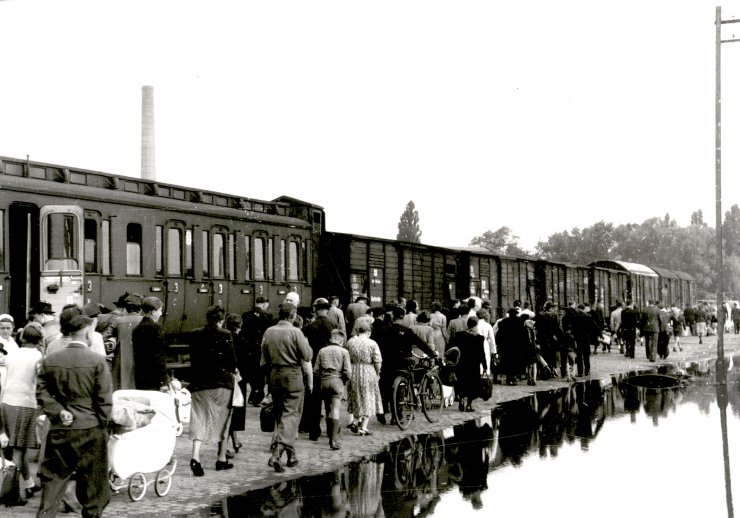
x,y
197,496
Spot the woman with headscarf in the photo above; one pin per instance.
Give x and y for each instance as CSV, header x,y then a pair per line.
x,y
472,357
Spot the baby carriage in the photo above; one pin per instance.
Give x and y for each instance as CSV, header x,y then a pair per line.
x,y
143,441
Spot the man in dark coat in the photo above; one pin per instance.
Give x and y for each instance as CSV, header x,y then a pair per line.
x,y
511,337
254,324
629,323
318,333
74,391
396,344
549,336
585,332
650,327
150,359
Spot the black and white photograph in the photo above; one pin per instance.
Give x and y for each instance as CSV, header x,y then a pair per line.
x,y
422,258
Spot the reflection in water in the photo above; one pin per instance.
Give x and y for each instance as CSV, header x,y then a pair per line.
x,y
415,475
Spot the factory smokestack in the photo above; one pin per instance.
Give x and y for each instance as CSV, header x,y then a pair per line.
x,y
148,170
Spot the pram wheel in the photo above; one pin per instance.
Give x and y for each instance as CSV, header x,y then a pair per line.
x,y
137,486
163,483
178,430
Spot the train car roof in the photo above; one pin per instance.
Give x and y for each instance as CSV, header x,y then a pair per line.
x,y
635,268
672,274
98,181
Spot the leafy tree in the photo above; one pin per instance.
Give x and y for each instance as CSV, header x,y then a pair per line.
x,y
501,241
731,232
408,226
697,218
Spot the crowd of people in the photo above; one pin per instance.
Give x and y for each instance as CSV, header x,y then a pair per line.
x,y
57,373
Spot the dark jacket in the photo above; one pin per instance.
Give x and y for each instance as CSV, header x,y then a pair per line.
x,y
150,359
212,359
318,333
396,344
78,380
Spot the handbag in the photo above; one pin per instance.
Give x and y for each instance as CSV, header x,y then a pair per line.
x,y
486,388
8,477
267,416
237,398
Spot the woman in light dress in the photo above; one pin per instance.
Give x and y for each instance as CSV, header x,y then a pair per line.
x,y
363,396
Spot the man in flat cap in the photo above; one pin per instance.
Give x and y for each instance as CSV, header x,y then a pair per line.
x,y
318,334
147,338
254,324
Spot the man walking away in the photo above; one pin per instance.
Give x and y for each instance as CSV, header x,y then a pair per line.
x,y
74,391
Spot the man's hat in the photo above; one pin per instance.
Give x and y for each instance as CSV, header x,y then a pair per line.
x,y
260,300
121,302
40,307
91,310
321,303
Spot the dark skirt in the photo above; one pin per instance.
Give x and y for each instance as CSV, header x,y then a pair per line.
x,y
20,426
239,413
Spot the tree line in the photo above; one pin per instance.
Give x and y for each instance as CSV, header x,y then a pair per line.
x,y
654,242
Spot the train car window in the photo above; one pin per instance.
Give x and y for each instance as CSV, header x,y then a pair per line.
x,y
247,258
189,270
61,242
2,239
304,262
232,256
259,259
174,248
270,259
158,250
219,255
282,261
91,246
293,261
133,249
105,247
205,249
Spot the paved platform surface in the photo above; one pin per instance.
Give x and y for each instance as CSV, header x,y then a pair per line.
x,y
192,496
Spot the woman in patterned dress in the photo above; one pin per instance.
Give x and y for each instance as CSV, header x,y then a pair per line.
x,y
363,397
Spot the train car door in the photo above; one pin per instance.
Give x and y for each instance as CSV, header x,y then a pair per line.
x,y
48,258
23,259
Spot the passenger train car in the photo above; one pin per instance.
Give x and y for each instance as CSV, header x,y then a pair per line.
x,y
78,236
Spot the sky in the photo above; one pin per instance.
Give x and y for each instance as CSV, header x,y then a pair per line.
x,y
537,115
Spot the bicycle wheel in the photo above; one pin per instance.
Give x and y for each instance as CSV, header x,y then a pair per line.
x,y
402,404
432,397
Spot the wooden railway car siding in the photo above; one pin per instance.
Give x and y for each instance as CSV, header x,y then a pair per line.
x,y
517,281
641,284
550,284
478,275
576,283
116,234
352,265
423,274
674,288
607,285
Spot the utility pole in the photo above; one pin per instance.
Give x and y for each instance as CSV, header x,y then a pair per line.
x,y
721,377
721,371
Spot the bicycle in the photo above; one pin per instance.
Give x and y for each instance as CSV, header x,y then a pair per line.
x,y
418,385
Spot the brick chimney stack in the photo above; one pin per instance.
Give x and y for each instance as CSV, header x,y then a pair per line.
x,y
148,170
